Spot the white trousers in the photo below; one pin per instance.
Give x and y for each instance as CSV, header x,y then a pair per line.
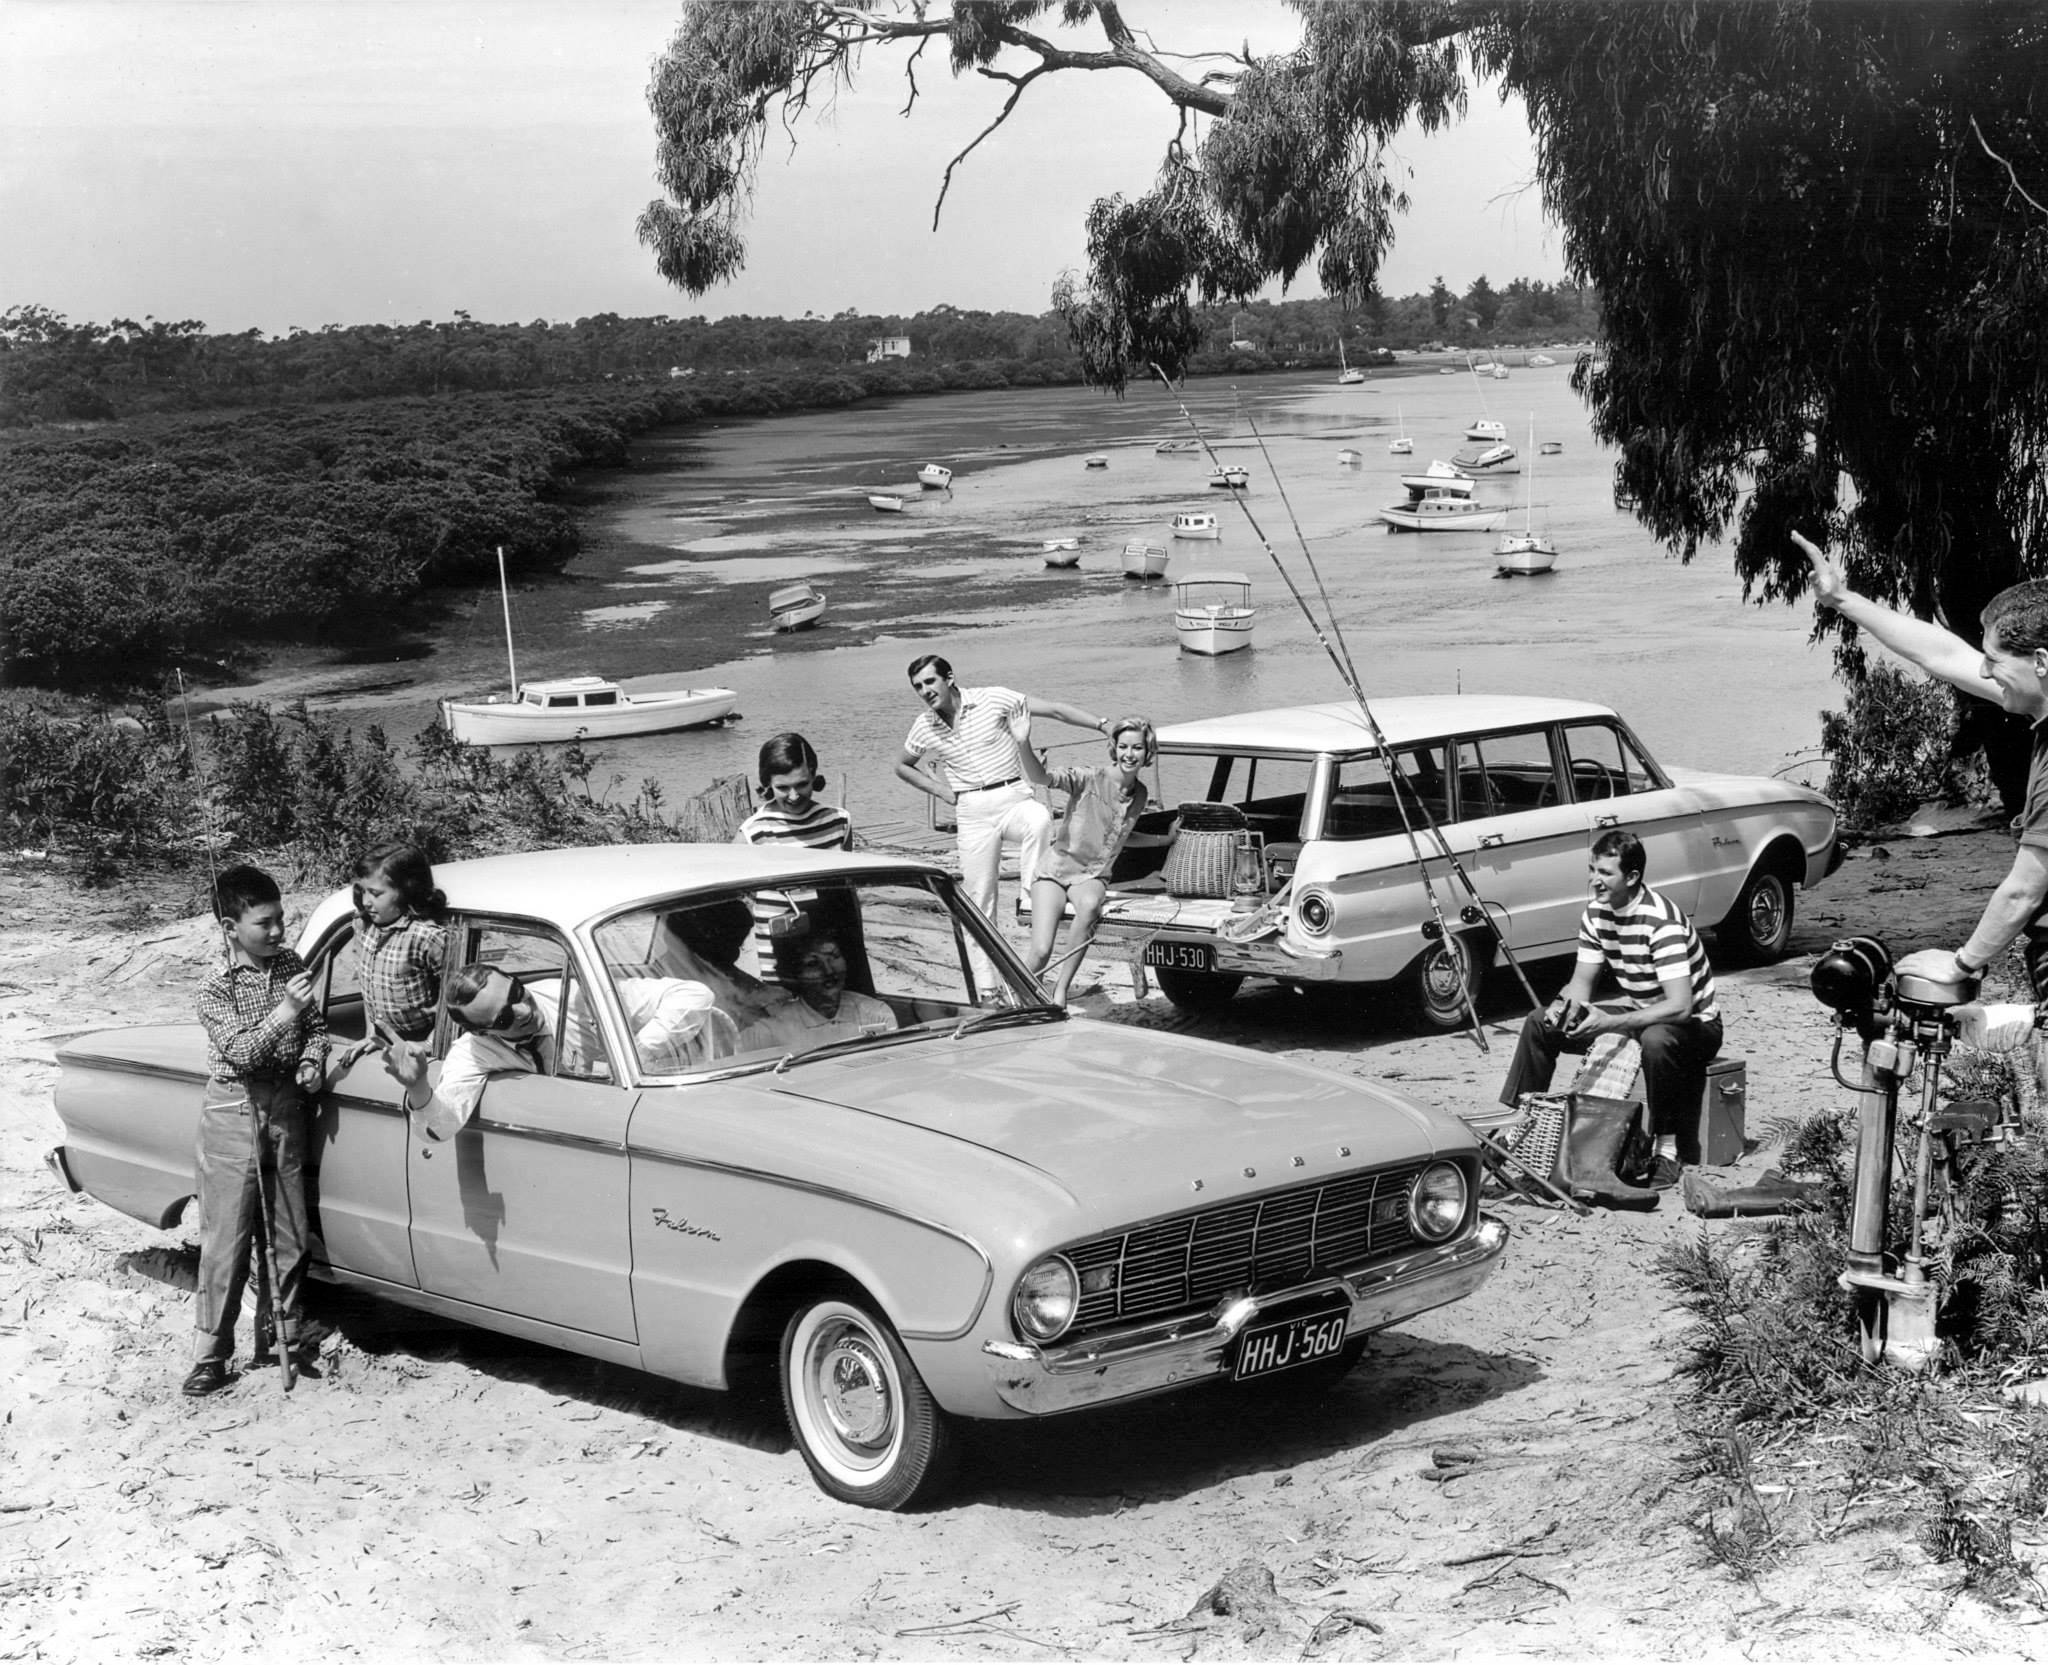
x,y
989,820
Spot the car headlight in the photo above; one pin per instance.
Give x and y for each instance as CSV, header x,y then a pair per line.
x,y
1313,912
1436,1207
1046,1298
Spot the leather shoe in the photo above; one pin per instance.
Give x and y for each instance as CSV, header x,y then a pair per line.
x,y
207,1376
1664,1173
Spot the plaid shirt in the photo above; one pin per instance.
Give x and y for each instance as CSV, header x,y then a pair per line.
x,y
247,1037
400,966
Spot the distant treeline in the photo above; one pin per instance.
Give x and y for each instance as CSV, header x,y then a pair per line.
x,y
52,370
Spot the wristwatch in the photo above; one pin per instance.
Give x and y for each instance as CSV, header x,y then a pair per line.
x,y
1967,969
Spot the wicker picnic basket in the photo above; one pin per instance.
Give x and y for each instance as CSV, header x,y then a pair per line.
x,y
1204,853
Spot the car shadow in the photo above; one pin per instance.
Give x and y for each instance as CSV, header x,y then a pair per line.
x,y
1160,1449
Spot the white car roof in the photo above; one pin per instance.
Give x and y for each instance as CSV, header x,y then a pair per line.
x,y
572,887
1338,727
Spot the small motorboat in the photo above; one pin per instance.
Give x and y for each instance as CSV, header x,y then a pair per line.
x,y
1525,553
1144,560
1499,372
1230,478
1194,523
1439,476
1443,511
1486,431
1491,459
1062,552
1348,458
1176,447
1213,612
1541,359
796,606
935,477
1551,447
1400,445
886,502
1095,460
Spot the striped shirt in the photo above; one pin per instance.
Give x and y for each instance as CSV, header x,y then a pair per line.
x,y
1647,944
821,826
980,746
400,968
247,1037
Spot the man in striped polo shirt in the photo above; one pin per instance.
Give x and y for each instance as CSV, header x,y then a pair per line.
x,y
978,734
1657,959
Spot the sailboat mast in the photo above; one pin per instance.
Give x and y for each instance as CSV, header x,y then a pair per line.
x,y
1529,496
505,601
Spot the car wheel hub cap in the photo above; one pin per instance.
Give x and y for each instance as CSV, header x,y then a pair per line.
x,y
1766,917
853,1392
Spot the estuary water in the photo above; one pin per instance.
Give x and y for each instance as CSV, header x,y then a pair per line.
x,y
682,550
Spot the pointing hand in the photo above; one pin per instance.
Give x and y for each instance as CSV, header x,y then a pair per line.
x,y
1829,586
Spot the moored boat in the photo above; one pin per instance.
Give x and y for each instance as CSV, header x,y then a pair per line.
x,y
796,606
1213,612
1348,458
1482,461
1194,523
1346,375
1527,552
1551,447
1400,445
1144,560
1176,447
1439,476
886,502
1095,460
1062,552
1443,511
935,477
1486,431
1230,478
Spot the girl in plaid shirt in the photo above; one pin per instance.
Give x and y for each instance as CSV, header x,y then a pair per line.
x,y
403,943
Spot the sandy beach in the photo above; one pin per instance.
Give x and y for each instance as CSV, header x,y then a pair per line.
x,y
440,1493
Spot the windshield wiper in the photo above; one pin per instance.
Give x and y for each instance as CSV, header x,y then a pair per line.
x,y
844,1043
1003,1016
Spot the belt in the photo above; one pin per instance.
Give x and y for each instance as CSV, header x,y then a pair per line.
x,y
990,786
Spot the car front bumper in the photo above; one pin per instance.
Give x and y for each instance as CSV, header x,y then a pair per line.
x,y
1042,1381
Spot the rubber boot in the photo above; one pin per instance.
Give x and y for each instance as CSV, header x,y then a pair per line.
x,y
1599,1127
1769,1193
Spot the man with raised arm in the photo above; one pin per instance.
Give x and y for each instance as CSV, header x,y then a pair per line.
x,y
2011,668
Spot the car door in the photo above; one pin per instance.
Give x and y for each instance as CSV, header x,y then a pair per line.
x,y
1527,838
1614,778
524,1210
357,1186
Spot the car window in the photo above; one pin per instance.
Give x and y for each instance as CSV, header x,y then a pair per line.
x,y
1503,774
754,973
337,974
1604,763
1362,795
1271,791
540,959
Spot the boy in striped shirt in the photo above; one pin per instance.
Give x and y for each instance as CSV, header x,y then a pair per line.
x,y
1656,957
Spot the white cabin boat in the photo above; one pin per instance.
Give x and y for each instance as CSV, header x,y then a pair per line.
x,y
1348,458
1213,612
582,708
796,606
1486,460
1439,476
1193,523
1441,511
935,477
1144,560
886,502
1096,460
1527,552
1230,478
1486,431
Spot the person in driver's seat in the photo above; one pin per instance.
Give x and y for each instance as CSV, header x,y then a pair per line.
x,y
510,1029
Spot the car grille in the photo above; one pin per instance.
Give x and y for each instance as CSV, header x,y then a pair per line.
x,y
1186,1262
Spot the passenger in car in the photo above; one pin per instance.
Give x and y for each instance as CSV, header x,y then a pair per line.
x,y
812,962
1103,804
703,943
402,944
1657,958
511,1029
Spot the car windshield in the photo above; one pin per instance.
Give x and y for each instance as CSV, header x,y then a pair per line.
x,y
757,974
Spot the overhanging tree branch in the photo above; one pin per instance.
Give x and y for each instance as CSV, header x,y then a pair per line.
x,y
1020,82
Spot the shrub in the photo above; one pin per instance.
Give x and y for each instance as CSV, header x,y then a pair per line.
x,y
1892,748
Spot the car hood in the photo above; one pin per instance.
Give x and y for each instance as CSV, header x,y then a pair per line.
x,y
1133,1123
1745,788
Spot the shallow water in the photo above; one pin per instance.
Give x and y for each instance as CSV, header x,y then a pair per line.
x,y
685,548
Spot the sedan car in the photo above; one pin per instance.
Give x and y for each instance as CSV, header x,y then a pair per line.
x,y
1514,789
888,1170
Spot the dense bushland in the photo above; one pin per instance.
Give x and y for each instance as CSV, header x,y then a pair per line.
x,y
1896,745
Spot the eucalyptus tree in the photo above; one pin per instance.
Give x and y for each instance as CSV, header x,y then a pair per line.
x,y
1816,227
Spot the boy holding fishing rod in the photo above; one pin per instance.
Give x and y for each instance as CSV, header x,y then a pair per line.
x,y
266,1047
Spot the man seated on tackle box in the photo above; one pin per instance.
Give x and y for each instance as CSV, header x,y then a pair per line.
x,y
1656,957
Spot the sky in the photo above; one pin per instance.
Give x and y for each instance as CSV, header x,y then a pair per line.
x,y
281,164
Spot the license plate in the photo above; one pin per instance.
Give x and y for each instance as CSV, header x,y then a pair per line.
x,y
1180,956
1274,1347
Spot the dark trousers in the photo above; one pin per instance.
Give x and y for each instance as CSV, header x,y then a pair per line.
x,y
229,1222
1675,1059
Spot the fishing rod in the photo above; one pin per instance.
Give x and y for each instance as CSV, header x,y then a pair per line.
x,y
259,1138
1430,822
1349,676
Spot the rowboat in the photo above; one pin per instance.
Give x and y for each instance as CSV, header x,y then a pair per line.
x,y
576,707
1144,560
1096,460
935,477
1230,478
796,606
1213,612
886,502
1196,524
1062,552
1175,447
1551,447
